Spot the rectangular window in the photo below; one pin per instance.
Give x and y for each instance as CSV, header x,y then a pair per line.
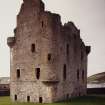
x,y
49,57
18,73
67,97
64,72
82,56
42,24
37,73
83,75
67,49
33,48
78,74
15,97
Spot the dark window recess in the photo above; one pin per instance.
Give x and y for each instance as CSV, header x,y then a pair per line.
x,y
42,23
33,48
49,57
28,98
37,73
78,74
15,97
67,96
18,73
64,72
40,100
4,87
79,94
83,75
82,55
67,49
75,36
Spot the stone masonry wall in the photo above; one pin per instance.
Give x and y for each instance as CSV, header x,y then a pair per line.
x,y
59,56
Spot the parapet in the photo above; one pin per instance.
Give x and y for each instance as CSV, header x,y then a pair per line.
x,y
11,41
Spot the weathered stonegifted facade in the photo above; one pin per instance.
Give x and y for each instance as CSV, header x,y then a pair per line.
x,y
48,59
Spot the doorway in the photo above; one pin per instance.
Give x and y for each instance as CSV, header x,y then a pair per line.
x,y
40,100
28,98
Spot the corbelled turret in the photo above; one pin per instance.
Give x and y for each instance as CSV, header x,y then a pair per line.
x,y
11,41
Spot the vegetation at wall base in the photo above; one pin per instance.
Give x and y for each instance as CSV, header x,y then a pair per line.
x,y
87,100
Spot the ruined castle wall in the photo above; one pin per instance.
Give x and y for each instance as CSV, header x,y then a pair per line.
x,y
73,86
30,29
59,54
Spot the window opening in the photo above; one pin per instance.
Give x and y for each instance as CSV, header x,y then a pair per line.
x,y
15,97
64,72
33,48
40,100
37,73
18,73
49,57
28,98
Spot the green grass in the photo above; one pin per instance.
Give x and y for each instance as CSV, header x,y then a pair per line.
x,y
88,100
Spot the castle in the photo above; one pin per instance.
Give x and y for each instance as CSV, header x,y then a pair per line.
x,y
48,59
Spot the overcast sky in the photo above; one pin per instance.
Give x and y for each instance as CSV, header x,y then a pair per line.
x,y
88,16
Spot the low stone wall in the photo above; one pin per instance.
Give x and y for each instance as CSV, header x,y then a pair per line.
x,y
4,92
97,91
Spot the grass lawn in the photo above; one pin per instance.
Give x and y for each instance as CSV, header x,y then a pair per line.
x,y
88,100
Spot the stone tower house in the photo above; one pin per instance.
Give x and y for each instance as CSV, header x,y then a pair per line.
x,y
48,59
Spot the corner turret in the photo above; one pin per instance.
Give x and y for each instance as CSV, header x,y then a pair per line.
x,y
11,41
